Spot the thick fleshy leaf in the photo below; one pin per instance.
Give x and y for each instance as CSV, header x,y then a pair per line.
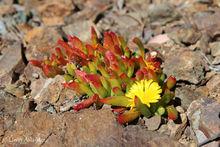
x,y
117,91
73,85
117,101
101,91
171,82
108,42
114,82
71,68
112,60
86,103
68,77
142,108
92,67
160,110
36,63
76,43
94,79
51,71
128,116
118,110
103,71
94,36
166,98
172,112
122,42
140,45
139,75
105,83
81,75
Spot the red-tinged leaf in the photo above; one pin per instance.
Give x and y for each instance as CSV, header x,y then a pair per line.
x,y
108,42
94,36
51,71
79,53
53,57
140,61
72,85
76,43
114,38
127,52
171,82
128,116
90,50
140,45
68,49
36,63
100,48
117,101
172,112
117,91
139,75
86,103
103,71
122,42
111,59
114,82
151,75
118,110
94,79
81,75
118,50
61,59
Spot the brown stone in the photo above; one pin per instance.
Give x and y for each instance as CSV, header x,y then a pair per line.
x,y
185,65
51,12
204,120
214,87
40,42
11,62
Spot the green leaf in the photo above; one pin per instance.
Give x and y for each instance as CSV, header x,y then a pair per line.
x,y
128,116
68,77
70,69
142,108
117,101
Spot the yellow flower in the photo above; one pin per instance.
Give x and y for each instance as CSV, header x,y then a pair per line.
x,y
147,91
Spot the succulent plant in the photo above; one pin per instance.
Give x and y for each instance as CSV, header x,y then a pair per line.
x,y
130,80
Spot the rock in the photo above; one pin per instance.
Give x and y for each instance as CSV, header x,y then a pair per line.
x,y
32,130
186,36
188,94
138,136
191,63
208,21
40,42
3,30
205,1
9,105
152,123
47,90
33,73
51,13
216,60
159,39
96,128
162,13
204,119
176,130
124,25
215,48
9,71
81,29
213,86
